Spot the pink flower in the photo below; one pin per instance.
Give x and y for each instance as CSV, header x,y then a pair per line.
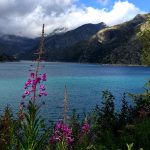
x,y
33,88
43,77
32,75
43,93
34,83
38,79
85,128
27,93
62,132
42,87
27,83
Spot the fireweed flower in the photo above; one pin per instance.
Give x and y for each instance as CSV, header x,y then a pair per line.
x,y
35,84
27,83
42,87
32,75
27,92
62,133
85,128
43,77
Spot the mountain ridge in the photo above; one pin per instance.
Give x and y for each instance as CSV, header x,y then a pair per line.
x,y
118,44
94,43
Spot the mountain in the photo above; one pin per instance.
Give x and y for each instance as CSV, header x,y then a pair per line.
x,y
15,46
119,44
58,31
55,42
95,43
60,41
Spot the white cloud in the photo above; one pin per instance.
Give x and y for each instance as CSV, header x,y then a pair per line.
x,y
121,11
59,13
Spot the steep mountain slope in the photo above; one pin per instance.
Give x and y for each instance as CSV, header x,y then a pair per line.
x,y
57,43
60,41
145,40
24,48
125,46
119,44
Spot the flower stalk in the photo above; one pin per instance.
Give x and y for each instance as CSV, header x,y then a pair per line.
x,y
33,86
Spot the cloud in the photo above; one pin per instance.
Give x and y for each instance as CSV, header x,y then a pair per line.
x,y
121,12
25,17
23,7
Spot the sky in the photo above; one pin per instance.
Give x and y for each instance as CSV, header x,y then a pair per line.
x,y
25,17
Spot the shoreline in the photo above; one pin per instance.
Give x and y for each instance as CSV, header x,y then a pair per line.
x,y
129,65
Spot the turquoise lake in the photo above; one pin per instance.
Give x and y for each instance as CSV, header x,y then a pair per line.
x,y
85,83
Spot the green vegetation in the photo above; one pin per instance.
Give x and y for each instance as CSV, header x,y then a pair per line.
x,y
4,57
103,129
118,44
145,38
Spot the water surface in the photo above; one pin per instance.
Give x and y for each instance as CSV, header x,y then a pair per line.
x,y
85,83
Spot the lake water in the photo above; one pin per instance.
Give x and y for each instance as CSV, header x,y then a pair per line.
x,y
85,82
